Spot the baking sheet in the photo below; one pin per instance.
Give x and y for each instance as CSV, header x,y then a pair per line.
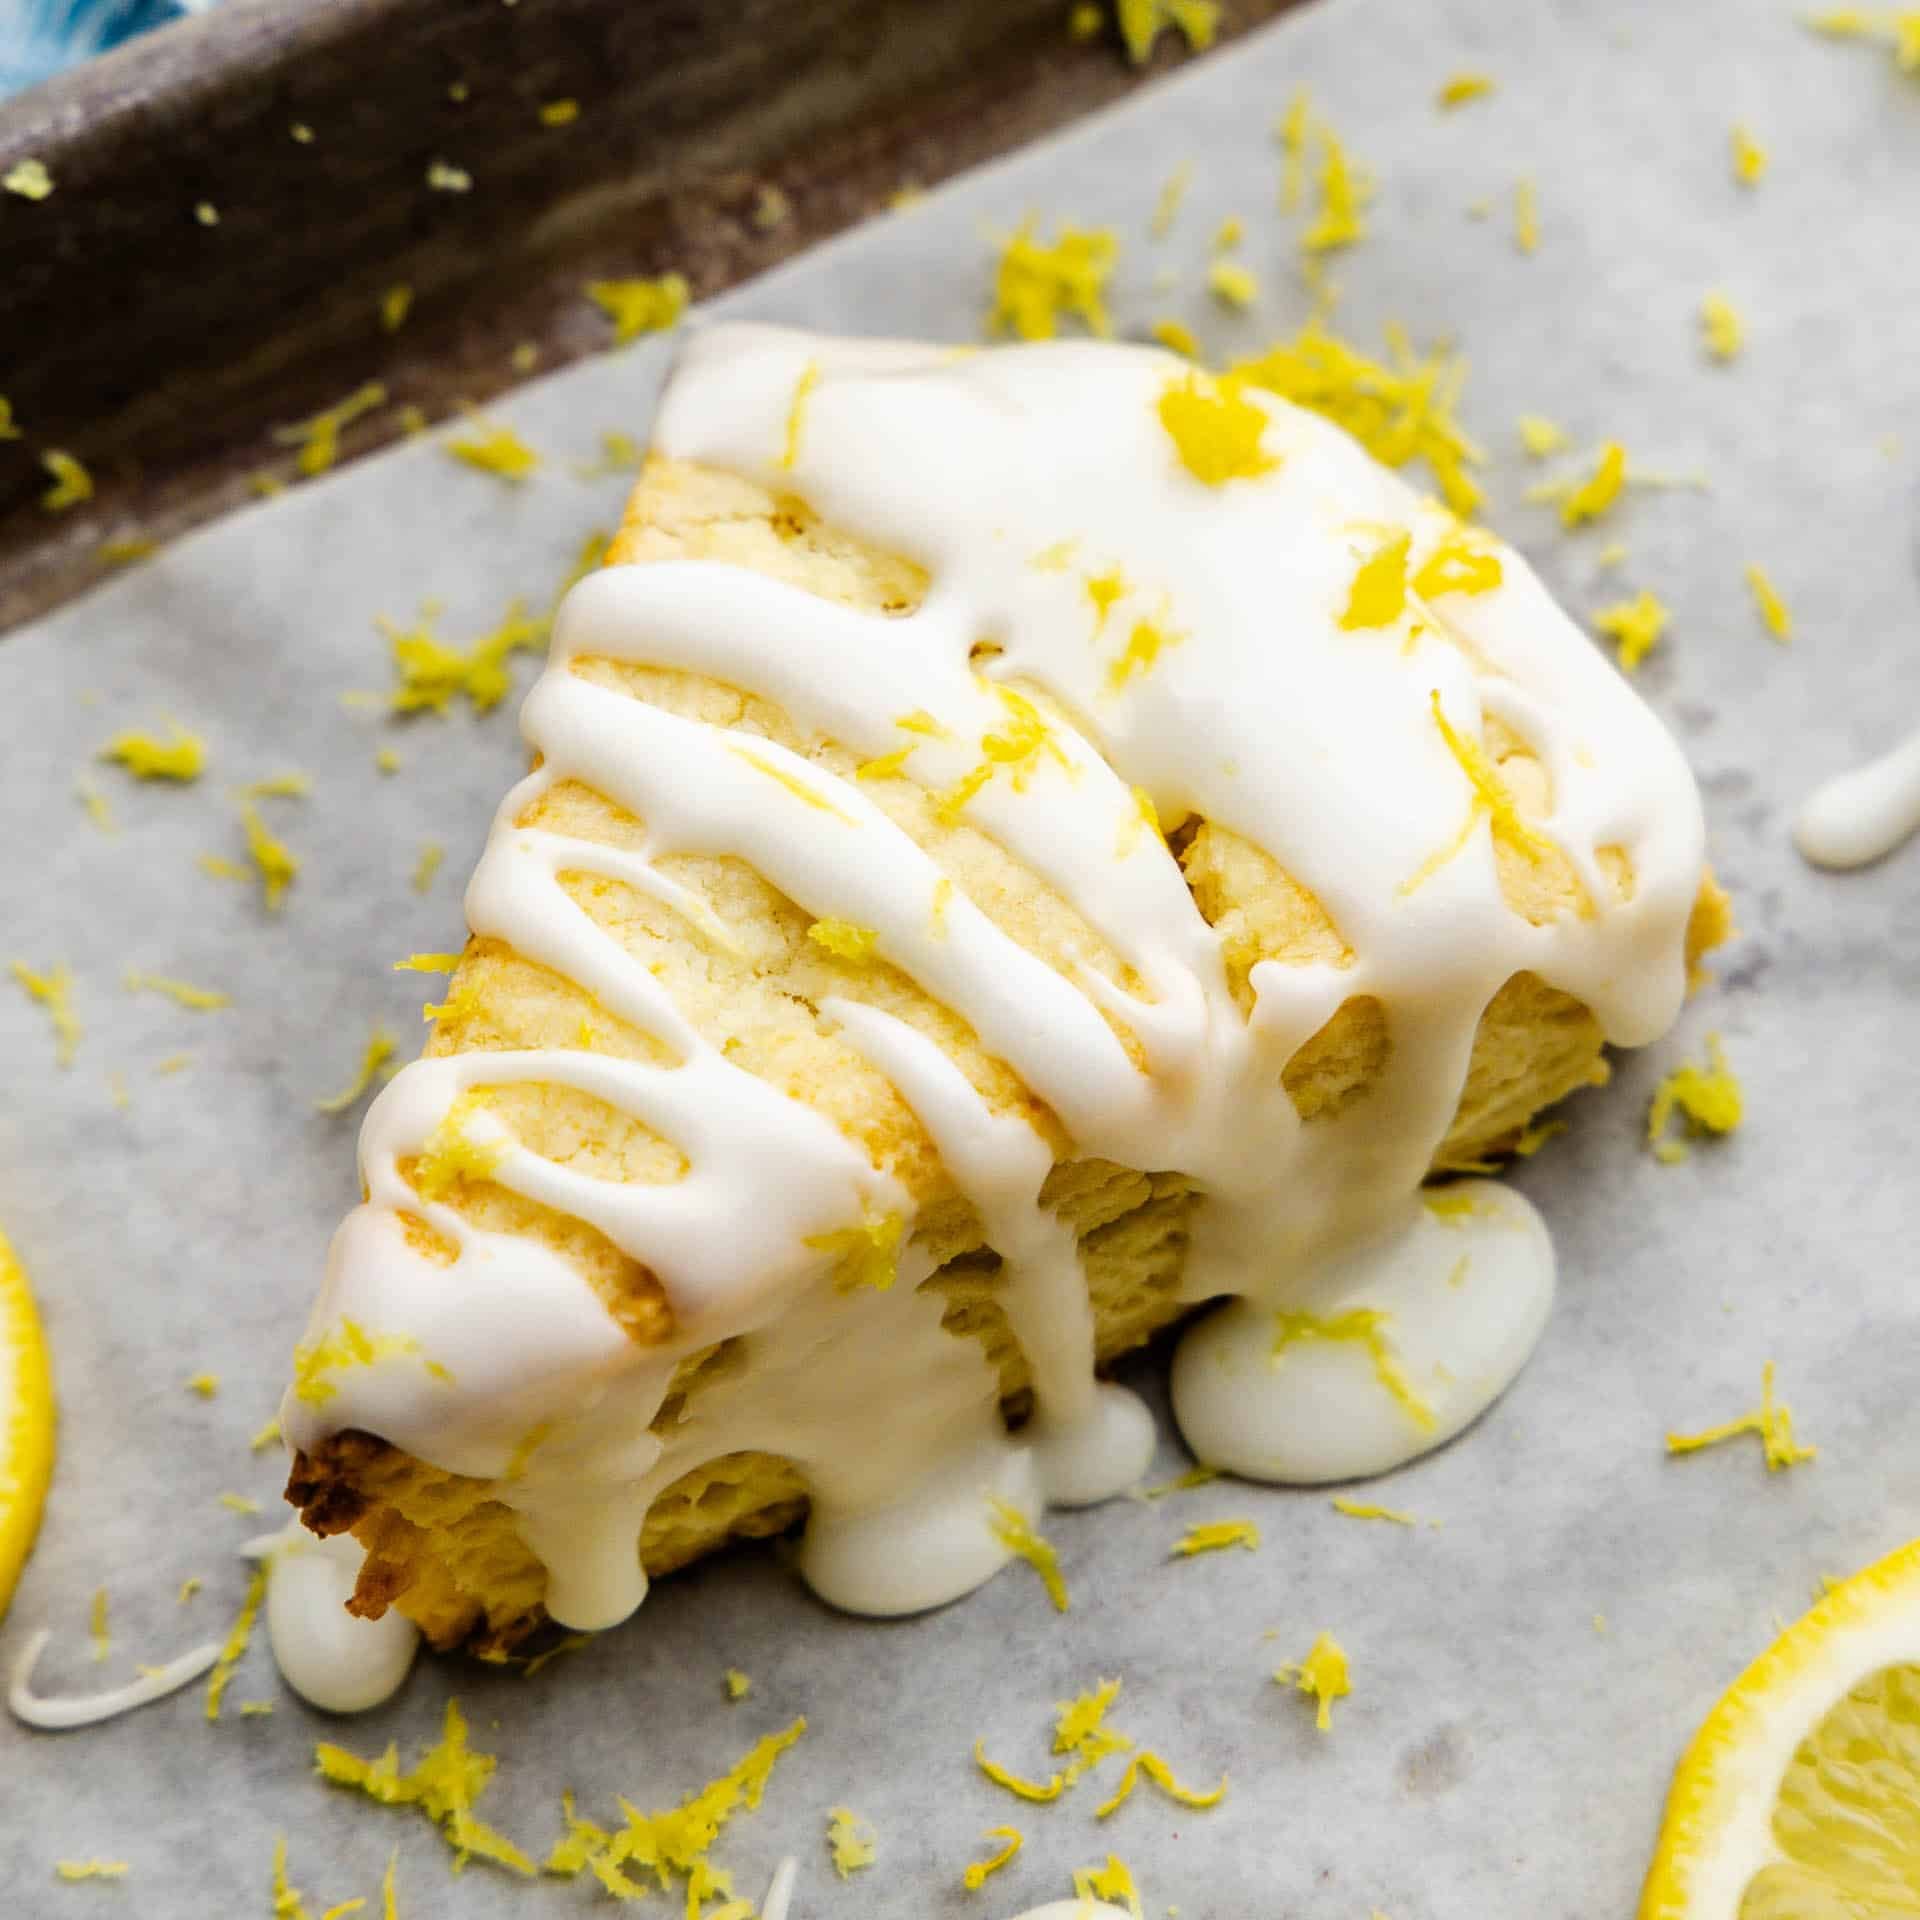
x,y
1528,1660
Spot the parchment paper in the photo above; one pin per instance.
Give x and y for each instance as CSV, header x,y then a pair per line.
x,y
1525,1667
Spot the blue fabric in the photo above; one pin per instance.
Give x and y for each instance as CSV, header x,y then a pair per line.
x,y
39,37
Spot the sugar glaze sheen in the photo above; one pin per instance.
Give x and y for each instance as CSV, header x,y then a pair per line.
x,y
1318,744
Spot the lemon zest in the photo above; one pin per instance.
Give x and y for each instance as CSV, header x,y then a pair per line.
x,y
444,1784
444,177
1363,1327
865,1256
349,1345
559,113
1772,1420
1322,1674
1490,794
206,1385
235,1644
851,1839
1899,27
1016,1533
1774,611
737,1684
266,1436
1540,436
1080,1728
97,1625
1148,1762
1456,565
795,786
640,306
147,757
431,672
975,1876
494,447
1594,495
91,1869
1459,88
1720,324
921,721
1365,1510
843,939
797,414
318,437
189,1587
95,802
1233,284
568,1643
122,553
1531,1139
1291,132
1171,334
428,963
54,990
1216,1536
451,1155
1343,196
1105,590
1379,593
1197,1476
173,1063
1749,157
239,1503
1635,626
427,865
1526,217
1036,286
1014,1784
1166,209
72,483
395,304
1708,1098
1148,640
29,178
273,860
380,1049
1112,1882
1142,22
1215,428
1017,752
195,999
887,766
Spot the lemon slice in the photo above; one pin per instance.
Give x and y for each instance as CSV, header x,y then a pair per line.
x,y
1799,1798
26,1422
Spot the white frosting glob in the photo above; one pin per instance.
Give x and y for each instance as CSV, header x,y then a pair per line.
x,y
1859,817
1261,713
329,1657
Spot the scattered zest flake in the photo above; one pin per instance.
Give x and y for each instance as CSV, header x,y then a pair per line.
x,y
431,672
266,1436
1635,626
1720,326
349,1345
123,553
1111,1882
1215,429
97,1625
865,1256
1707,1098
319,438
206,1385
1142,22
1171,334
427,963
1236,285
275,862
1015,1532
1323,1675
1036,286
1182,1483
1773,610
1899,27
1364,1327
795,786
1379,594
1594,495
1540,437
452,1155
1364,1510
1772,1420
444,1785
1144,646
235,1645
1167,208
494,448
444,177
395,304
72,483
54,990
380,1048
1157,1770
559,113
1216,1536
737,1683
852,1841
1490,794
1343,195
1749,157
797,413
1526,217
91,1869
844,940
239,1503
1291,131
195,999
1456,565
206,213
428,864
29,179
1012,1840
147,757
1459,88
1014,1784
640,306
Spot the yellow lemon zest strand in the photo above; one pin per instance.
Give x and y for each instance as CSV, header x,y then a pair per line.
x,y
266,1436
189,1587
96,805
1773,610
1898,27
1540,436
1018,752
1457,565
1112,1882
975,1877
1490,793
147,757
888,766
1323,1675
1233,284
1215,428
1459,88
1170,333
737,1683
672,1841
427,865
444,177
348,1345
1343,195
1216,1536
1526,217
341,1908
569,1643
851,1840
1708,1098
922,722
430,672
444,1785
1635,627
97,1629
795,786
30,179
194,999
54,990
865,1256
273,860
221,867
239,1503
395,304
206,1385
1145,644
282,786
461,1003
1291,132
1772,1421
72,483
1182,1483
1399,409
1363,1327
1530,1140
1365,1510
91,1869
844,940
1036,286
797,413
1015,1532
1166,209
1014,1784
1080,1728
318,438
173,1063
428,963
1720,327
380,1049
1105,590
1749,157
122,553
640,306
494,448
1142,22
559,113
1162,1776
235,1645
451,1155
1594,495
1379,594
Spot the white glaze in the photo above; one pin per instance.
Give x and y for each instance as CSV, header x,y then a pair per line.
x,y
59,1712
1317,744
328,1656
1859,817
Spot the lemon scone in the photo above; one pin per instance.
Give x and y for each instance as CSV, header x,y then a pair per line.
x,y
1021,844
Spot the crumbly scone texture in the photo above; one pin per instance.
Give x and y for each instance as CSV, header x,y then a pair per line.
x,y
441,1546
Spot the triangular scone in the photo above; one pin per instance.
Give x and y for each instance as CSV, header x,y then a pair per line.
x,y
984,889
